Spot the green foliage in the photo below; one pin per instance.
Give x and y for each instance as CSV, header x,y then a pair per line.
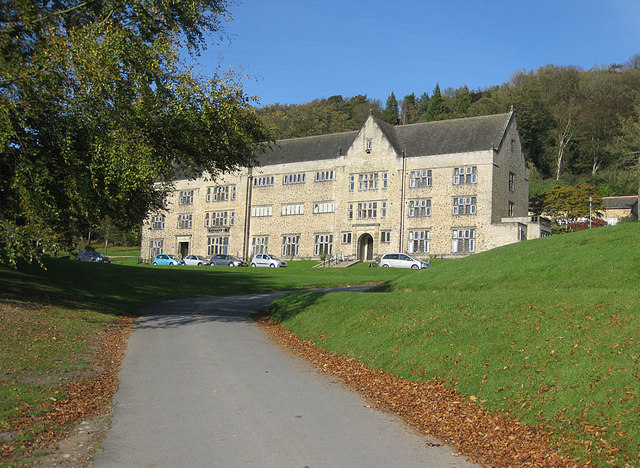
x,y
544,330
321,116
98,116
564,205
390,112
435,109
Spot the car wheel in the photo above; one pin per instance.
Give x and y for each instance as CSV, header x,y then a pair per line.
x,y
254,265
415,267
155,263
231,264
385,266
199,263
273,265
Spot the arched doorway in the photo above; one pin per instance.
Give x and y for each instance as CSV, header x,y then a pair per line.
x,y
365,247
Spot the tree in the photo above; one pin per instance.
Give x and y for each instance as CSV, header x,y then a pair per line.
x,y
566,205
409,112
436,105
98,115
390,112
462,100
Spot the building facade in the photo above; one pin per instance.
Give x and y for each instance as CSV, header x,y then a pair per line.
x,y
447,188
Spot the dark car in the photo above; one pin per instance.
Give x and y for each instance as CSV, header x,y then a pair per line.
x,y
226,260
89,256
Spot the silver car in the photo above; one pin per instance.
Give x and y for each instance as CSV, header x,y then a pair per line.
x,y
195,260
400,260
226,260
266,260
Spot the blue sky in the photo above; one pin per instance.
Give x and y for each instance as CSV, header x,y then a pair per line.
x,y
297,51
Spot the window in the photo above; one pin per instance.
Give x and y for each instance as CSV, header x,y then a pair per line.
x,y
510,209
368,181
155,247
260,245
184,221
420,178
385,180
291,209
383,209
346,238
368,145
218,245
219,218
367,210
324,207
418,242
221,193
157,223
290,179
324,245
464,241
261,211
464,206
291,246
352,183
512,182
263,181
324,176
420,208
385,237
465,175
186,197
350,211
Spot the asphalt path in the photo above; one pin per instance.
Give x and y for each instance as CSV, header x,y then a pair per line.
x,y
202,386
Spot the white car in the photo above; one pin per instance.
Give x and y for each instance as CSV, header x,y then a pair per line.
x,y
400,260
265,260
195,260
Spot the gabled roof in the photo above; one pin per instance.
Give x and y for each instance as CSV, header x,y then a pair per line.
x,y
421,139
453,136
311,148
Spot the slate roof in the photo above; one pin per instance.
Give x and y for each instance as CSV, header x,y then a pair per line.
x,y
311,148
422,139
453,136
613,203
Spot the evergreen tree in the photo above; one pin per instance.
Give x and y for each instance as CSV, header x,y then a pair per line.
x,y
409,111
390,113
436,105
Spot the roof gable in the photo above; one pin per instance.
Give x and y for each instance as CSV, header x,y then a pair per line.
x,y
465,135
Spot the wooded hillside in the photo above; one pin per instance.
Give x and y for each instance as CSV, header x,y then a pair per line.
x,y
575,124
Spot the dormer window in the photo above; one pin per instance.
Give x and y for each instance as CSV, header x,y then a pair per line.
x,y
368,145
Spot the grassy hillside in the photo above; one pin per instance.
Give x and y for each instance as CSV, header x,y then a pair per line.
x,y
547,331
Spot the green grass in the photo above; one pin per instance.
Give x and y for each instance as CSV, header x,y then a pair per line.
x,y
49,319
547,331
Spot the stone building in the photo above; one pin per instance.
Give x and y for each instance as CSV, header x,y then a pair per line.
x,y
448,188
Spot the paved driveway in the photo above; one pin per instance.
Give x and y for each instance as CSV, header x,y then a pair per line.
x,y
202,385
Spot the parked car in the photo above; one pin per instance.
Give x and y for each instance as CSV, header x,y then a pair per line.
x,y
90,256
400,260
195,260
166,259
226,260
265,260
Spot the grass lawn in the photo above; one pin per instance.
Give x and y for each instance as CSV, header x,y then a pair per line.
x,y
547,331
50,321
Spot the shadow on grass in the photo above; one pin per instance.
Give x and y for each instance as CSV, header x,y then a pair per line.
x,y
121,290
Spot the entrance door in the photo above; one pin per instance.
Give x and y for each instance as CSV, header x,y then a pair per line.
x,y
365,247
183,248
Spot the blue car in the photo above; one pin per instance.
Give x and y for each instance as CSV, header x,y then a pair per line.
x,y
166,259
